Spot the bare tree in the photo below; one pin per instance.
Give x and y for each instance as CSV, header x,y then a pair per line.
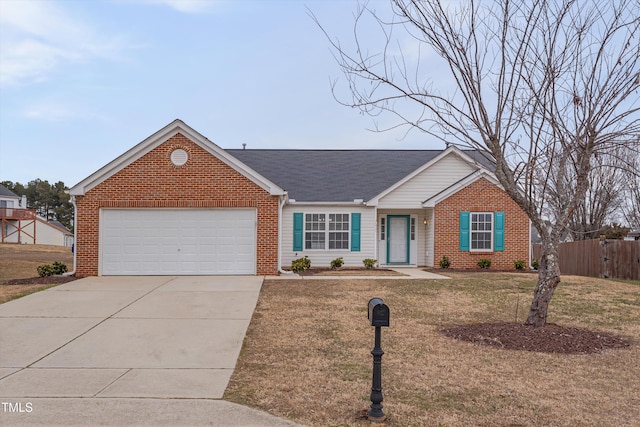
x,y
539,87
631,204
605,196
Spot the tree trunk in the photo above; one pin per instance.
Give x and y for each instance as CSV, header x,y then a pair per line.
x,y
548,280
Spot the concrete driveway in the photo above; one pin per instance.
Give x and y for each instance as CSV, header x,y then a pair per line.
x,y
127,351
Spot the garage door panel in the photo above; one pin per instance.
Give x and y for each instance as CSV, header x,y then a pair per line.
x,y
178,241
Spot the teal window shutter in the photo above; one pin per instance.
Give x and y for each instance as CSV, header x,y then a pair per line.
x,y
498,231
298,224
355,232
464,230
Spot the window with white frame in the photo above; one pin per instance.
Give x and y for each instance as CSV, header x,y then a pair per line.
x,y
481,231
314,234
413,229
338,231
318,235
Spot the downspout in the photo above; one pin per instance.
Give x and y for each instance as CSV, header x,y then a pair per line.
x,y
75,237
376,230
281,204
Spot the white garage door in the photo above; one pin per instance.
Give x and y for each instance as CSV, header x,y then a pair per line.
x,y
178,241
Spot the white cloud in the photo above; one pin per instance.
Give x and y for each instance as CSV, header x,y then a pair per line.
x,y
52,110
188,6
36,37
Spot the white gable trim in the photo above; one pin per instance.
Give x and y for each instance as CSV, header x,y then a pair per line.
x,y
457,186
159,138
451,150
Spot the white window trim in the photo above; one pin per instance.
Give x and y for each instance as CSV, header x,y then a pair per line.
x,y
326,231
471,232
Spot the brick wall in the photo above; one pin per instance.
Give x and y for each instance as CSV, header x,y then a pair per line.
x,y
480,196
153,181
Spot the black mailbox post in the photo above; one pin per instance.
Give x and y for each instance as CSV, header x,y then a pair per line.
x,y
378,314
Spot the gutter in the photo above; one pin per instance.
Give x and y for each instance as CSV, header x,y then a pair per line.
x,y
75,237
356,202
280,206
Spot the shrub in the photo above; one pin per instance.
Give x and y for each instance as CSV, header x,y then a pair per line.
x,y
444,262
484,263
520,264
45,270
301,264
59,267
337,263
534,263
369,263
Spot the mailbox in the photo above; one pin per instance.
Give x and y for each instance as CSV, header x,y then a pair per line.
x,y
378,312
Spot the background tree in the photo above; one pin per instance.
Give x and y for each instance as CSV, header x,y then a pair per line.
x,y
631,204
614,231
603,200
49,201
540,88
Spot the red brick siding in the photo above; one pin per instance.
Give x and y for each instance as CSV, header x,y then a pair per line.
x,y
480,196
154,182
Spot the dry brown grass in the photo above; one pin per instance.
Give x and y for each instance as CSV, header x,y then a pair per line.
x,y
306,355
22,261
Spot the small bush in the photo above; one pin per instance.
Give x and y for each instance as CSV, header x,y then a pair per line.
x,y
45,270
59,267
337,263
301,264
369,263
520,264
534,263
484,263
444,262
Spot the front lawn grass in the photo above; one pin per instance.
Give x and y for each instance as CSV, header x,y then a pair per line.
x,y
306,354
21,262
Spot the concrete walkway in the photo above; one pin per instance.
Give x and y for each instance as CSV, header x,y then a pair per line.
x,y
127,351
408,273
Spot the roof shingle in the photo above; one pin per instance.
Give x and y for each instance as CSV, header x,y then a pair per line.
x,y
335,175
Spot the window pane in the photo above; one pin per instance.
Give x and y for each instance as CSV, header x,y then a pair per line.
x,y
338,222
481,226
413,229
338,240
314,240
314,222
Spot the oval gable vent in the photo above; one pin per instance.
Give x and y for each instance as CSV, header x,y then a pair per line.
x,y
179,157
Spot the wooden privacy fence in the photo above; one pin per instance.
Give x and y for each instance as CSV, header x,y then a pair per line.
x,y
615,259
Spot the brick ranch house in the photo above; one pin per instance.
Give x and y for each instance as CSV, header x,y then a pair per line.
x,y
178,204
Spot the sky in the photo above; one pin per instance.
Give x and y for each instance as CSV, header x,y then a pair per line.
x,y
82,82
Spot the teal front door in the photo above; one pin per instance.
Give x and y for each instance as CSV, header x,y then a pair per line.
x,y
398,239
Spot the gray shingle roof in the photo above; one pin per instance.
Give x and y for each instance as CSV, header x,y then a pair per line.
x,y
336,175
59,225
4,191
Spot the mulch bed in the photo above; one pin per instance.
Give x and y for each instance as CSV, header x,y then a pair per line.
x,y
349,271
478,270
550,338
47,280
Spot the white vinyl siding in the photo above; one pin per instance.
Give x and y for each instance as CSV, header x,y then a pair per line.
x,y
323,258
426,184
423,245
